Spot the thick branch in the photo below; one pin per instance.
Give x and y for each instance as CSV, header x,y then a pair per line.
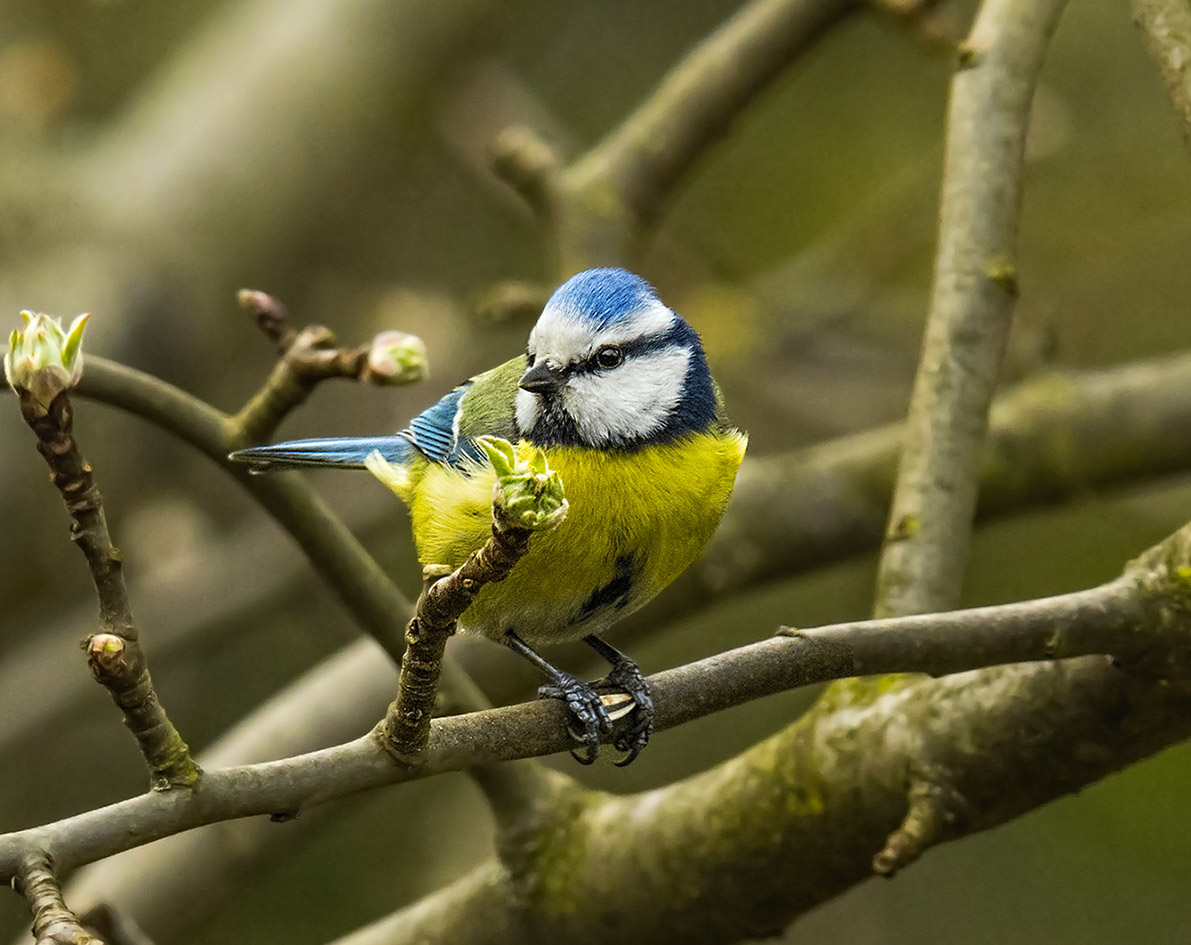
x,y
926,543
1141,618
738,852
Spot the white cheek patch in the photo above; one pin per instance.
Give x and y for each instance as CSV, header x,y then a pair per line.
x,y
630,402
564,337
529,408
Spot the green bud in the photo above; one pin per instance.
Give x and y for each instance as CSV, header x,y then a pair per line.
x,y
43,359
395,357
528,493
500,454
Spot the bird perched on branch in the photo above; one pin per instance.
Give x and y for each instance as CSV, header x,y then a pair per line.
x,y
614,389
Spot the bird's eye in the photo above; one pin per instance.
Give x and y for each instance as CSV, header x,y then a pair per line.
x,y
530,357
609,356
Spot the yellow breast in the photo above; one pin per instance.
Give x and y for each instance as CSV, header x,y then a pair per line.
x,y
636,521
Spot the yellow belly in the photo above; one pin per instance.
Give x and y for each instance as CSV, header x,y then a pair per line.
x,y
636,521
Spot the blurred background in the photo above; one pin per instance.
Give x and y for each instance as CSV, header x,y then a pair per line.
x,y
155,158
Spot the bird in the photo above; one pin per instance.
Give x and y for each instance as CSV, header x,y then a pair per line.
x,y
614,389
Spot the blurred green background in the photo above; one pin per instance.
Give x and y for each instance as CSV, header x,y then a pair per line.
x,y
157,157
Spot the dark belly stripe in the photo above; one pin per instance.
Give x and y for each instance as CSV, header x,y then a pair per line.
x,y
614,593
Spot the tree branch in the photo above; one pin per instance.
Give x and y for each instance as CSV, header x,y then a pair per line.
x,y
53,922
1167,26
309,357
739,851
1143,618
114,654
926,543
596,208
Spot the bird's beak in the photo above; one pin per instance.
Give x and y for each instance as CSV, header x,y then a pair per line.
x,y
543,378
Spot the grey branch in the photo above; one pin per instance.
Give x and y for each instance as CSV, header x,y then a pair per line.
x,y
1141,618
926,543
797,816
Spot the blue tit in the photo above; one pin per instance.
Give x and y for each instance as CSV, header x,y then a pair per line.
x,y
614,388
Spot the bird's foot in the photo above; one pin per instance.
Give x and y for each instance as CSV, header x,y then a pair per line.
x,y
626,677
589,717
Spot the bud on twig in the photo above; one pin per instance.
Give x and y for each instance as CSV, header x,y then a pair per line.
x,y
395,357
43,360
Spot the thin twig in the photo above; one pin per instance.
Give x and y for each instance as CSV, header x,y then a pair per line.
x,y
368,593
114,654
926,543
311,356
53,922
527,497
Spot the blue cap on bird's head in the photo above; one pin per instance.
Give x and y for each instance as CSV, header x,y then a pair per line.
x,y
602,297
610,366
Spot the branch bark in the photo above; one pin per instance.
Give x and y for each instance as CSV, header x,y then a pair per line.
x,y
738,852
596,208
1143,618
1167,26
926,543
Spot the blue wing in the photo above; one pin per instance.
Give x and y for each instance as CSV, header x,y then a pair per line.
x,y
443,433
435,432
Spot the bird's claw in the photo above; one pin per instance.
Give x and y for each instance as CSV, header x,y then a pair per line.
x,y
625,676
586,710
594,707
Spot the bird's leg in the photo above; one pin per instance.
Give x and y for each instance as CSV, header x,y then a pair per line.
x,y
581,699
625,676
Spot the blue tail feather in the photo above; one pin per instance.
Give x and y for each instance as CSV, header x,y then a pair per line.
x,y
345,452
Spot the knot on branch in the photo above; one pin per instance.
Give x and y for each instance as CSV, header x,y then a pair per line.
x,y
935,805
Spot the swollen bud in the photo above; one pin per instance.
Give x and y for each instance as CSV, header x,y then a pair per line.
x,y
43,360
395,357
528,493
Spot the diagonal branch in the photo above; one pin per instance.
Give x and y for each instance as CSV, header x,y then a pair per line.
x,y
796,817
53,922
1167,26
596,208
